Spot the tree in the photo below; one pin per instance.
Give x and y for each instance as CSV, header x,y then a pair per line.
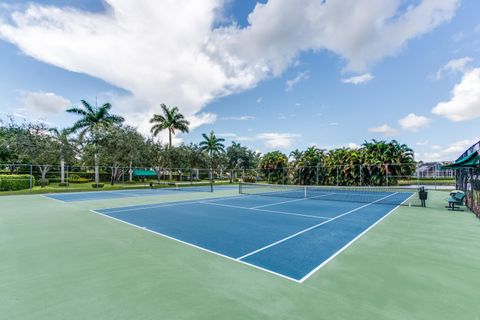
x,y
240,158
32,143
120,146
295,155
213,146
171,120
66,149
93,121
307,169
273,165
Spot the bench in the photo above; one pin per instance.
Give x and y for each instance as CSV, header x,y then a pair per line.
x,y
456,200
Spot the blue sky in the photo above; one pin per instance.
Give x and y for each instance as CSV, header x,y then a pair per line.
x,y
277,75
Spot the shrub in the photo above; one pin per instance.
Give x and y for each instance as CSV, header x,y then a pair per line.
x,y
250,179
12,182
38,182
64,184
94,185
79,180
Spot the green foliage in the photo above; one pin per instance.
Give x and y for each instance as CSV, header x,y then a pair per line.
x,y
250,179
40,182
97,185
171,120
12,182
214,147
273,165
240,157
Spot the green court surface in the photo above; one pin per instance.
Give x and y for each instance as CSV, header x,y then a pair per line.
x,y
61,261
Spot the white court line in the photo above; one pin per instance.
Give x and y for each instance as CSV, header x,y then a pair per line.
x,y
348,244
288,201
264,210
167,204
195,246
312,227
46,196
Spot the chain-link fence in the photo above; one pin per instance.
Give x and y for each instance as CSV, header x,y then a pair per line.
x,y
71,178
468,180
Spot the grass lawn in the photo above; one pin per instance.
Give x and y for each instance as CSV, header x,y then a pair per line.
x,y
81,187
60,261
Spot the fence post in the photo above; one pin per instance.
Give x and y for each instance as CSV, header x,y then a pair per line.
x,y
386,173
68,179
31,177
361,175
337,175
316,172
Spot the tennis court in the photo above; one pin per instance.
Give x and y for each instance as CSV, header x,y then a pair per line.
x,y
290,232
147,191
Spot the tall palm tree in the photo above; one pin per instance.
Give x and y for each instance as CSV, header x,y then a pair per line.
x,y
93,119
212,146
171,120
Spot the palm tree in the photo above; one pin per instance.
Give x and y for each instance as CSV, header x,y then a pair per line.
x,y
171,120
212,146
93,120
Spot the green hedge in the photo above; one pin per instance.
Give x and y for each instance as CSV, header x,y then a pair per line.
x,y
250,179
38,182
12,182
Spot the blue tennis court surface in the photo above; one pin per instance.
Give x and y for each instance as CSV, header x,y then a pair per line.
x,y
118,194
288,237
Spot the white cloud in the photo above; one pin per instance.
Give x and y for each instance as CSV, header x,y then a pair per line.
x,y
278,140
429,156
364,78
259,100
169,52
459,147
202,118
385,129
239,118
422,143
452,66
227,135
412,122
352,145
449,152
301,76
334,124
465,101
41,104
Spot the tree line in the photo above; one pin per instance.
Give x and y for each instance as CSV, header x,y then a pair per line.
x,y
99,137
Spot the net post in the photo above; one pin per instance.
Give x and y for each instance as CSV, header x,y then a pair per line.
x,y
240,188
305,192
211,186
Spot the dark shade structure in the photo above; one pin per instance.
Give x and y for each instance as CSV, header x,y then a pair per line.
x,y
467,168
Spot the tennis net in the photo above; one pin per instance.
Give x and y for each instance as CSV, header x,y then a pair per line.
x,y
184,186
377,195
